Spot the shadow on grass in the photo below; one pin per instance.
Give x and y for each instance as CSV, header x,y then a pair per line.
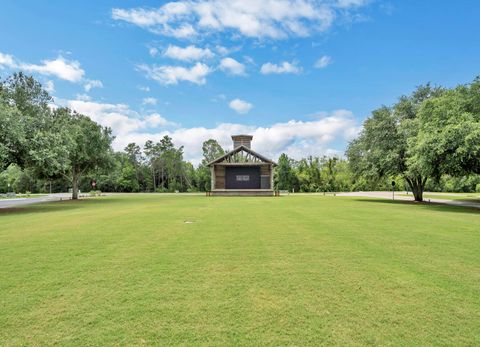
x,y
432,206
55,206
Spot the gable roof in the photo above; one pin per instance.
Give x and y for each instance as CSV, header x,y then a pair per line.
x,y
245,149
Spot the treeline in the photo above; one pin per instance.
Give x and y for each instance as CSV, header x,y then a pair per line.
x,y
429,140
314,174
166,171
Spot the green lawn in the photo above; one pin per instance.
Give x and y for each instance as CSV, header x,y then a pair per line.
x,y
295,270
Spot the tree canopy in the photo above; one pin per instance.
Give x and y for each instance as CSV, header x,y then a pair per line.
x,y
50,141
425,135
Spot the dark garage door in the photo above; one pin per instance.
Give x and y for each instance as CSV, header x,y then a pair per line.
x,y
242,177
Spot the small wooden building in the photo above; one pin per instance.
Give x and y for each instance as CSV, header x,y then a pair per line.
x,y
242,171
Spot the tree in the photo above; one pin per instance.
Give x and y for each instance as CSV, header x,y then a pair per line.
x,y
331,173
169,163
33,136
127,181
13,143
88,145
152,154
9,179
24,119
386,144
449,133
211,150
285,175
26,94
134,154
168,170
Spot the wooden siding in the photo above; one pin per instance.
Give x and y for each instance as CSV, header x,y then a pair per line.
x,y
242,140
219,177
265,170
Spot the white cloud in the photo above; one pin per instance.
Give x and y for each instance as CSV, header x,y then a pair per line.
x,y
351,3
232,66
173,74
249,60
64,69
120,117
144,88
285,67
323,62
251,18
83,97
181,32
240,106
155,120
189,53
153,51
90,84
222,50
149,101
7,60
49,87
219,97
297,138
61,68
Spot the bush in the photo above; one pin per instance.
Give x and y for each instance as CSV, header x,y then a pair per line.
x,y
478,188
94,193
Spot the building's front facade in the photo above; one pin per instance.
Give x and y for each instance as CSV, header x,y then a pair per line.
x,y
242,171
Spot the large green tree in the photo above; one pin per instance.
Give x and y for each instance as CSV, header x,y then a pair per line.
x,y
88,145
31,134
386,145
13,147
448,140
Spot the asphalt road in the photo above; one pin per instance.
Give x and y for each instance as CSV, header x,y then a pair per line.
x,y
398,196
5,203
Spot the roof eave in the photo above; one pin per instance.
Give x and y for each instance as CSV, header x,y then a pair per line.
x,y
237,149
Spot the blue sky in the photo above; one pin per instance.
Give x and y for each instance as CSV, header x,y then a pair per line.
x,y
300,75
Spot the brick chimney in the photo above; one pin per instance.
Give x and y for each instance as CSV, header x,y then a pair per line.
x,y
239,140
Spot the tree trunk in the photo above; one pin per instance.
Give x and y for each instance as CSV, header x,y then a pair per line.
x,y
75,177
153,178
417,185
